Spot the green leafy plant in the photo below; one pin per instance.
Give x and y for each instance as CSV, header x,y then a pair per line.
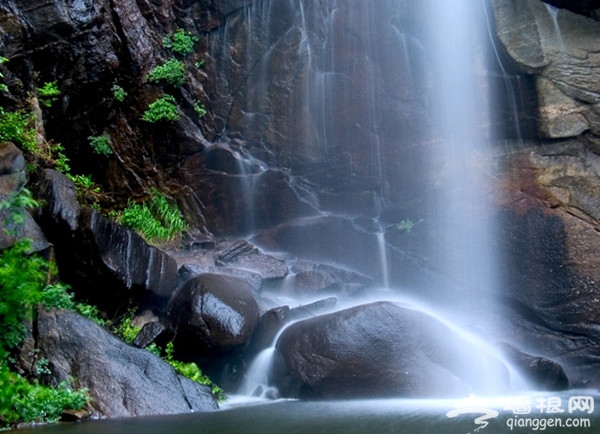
x,y
3,87
407,225
163,109
90,312
192,371
125,329
172,72
119,93
181,42
199,109
200,63
22,277
49,93
57,296
18,127
156,220
101,144
22,401
16,204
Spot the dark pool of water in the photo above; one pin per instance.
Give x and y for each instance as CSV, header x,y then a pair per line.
x,y
363,417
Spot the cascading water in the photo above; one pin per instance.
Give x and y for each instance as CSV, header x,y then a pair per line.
x,y
356,70
466,254
382,128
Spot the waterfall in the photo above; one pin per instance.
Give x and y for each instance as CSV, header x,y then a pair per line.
x,y
465,252
351,101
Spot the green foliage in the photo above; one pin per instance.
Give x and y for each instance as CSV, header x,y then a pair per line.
x,y
49,93
181,42
57,296
119,93
163,109
192,371
90,312
42,367
16,204
200,63
18,127
126,330
172,72
22,278
156,220
200,109
83,182
3,87
23,285
22,401
407,225
101,144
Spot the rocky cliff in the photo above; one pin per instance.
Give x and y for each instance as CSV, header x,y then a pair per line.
x,y
318,135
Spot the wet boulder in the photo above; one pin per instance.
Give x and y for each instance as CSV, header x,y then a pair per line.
x,y
381,350
310,279
244,256
545,374
122,380
60,213
213,314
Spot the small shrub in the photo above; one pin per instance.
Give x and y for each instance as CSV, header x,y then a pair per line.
x,y
119,93
172,72
3,87
163,109
22,401
57,296
200,109
90,312
405,225
49,93
192,371
16,204
126,330
22,277
18,127
101,144
181,42
156,220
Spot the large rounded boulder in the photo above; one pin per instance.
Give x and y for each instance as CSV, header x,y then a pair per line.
x,y
381,350
213,314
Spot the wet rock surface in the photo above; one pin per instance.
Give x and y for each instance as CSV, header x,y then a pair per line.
x,y
122,380
213,314
106,263
379,350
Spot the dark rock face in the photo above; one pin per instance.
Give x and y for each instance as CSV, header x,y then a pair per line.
x,y
60,214
123,381
213,314
379,350
106,263
120,259
558,51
